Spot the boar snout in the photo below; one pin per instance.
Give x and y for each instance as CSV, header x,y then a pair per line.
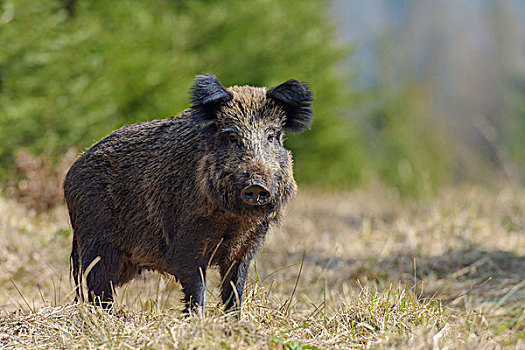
x,y
255,194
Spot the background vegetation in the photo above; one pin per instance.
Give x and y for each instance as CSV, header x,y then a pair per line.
x,y
72,71
69,79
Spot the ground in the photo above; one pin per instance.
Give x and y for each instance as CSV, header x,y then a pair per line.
x,y
362,269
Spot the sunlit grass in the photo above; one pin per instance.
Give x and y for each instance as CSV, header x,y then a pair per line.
x,y
348,270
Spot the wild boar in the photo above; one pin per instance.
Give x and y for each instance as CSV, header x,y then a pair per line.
x,y
181,194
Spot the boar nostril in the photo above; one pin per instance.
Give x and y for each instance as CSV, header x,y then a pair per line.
x,y
264,195
255,195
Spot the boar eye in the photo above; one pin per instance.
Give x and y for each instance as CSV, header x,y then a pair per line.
x,y
230,135
270,137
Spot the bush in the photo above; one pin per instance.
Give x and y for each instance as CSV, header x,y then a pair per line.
x,y
67,81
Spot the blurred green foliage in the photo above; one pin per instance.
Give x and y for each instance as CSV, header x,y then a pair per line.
x,y
514,131
69,80
407,148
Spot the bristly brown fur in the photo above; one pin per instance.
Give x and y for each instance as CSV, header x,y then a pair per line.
x,y
165,194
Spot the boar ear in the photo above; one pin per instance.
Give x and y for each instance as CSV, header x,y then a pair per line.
x,y
207,89
296,98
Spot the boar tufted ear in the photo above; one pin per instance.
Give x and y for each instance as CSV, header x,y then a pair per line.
x,y
207,89
296,98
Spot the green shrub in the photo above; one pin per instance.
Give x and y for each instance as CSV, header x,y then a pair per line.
x,y
68,81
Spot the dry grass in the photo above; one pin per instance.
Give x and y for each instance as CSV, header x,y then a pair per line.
x,y
352,270
38,181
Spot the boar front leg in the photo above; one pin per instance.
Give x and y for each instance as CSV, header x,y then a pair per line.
x,y
233,277
194,288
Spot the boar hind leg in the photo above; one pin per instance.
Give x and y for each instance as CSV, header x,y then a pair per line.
x,y
103,264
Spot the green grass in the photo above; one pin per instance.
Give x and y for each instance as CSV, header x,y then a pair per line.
x,y
349,270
